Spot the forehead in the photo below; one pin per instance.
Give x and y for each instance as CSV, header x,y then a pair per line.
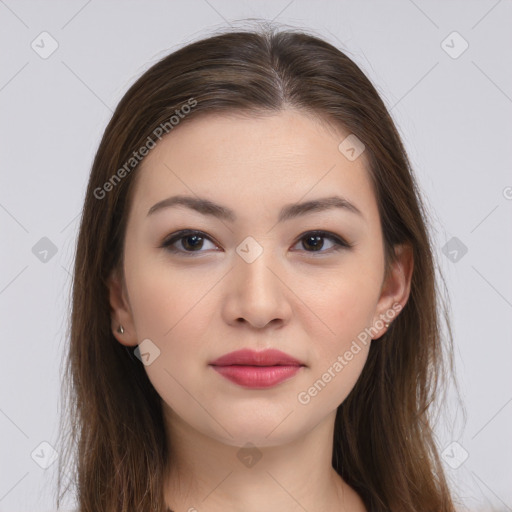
x,y
254,162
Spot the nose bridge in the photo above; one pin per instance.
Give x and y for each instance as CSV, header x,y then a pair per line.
x,y
256,259
258,295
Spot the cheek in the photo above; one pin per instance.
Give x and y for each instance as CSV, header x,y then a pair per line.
x,y
172,308
346,305
164,297
339,357
169,308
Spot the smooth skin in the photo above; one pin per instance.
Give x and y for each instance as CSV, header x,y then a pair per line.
x,y
206,300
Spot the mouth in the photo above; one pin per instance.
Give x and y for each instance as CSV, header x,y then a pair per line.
x,y
247,357
257,370
257,376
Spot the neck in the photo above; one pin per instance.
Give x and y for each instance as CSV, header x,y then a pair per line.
x,y
206,473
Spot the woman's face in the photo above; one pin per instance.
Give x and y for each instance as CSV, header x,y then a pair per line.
x,y
255,278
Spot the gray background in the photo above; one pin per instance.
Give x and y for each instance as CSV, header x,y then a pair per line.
x,y
453,110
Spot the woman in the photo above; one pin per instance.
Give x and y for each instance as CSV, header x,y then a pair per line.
x,y
255,312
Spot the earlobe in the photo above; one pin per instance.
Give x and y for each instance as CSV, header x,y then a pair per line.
x,y
122,322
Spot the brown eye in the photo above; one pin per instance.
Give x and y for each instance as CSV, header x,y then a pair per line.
x,y
187,241
313,241
192,242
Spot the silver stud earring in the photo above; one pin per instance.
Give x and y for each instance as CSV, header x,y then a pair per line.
x,y
120,329
386,325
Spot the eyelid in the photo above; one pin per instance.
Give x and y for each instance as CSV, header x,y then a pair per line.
x,y
339,241
182,233
326,234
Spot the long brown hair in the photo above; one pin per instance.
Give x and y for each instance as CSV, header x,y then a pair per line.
x,y
384,446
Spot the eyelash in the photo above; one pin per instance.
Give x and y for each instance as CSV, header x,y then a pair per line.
x,y
339,242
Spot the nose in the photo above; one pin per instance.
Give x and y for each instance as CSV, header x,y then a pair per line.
x,y
257,293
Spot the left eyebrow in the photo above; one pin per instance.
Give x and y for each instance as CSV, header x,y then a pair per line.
x,y
289,211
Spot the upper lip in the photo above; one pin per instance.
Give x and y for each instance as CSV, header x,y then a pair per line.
x,y
246,357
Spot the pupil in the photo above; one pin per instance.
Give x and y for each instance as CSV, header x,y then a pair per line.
x,y
197,239
316,244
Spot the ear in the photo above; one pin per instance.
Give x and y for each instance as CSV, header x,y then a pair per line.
x,y
120,312
395,288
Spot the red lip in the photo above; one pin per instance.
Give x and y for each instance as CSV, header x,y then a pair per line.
x,y
246,357
252,369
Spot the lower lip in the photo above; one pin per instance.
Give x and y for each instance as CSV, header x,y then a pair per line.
x,y
257,376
